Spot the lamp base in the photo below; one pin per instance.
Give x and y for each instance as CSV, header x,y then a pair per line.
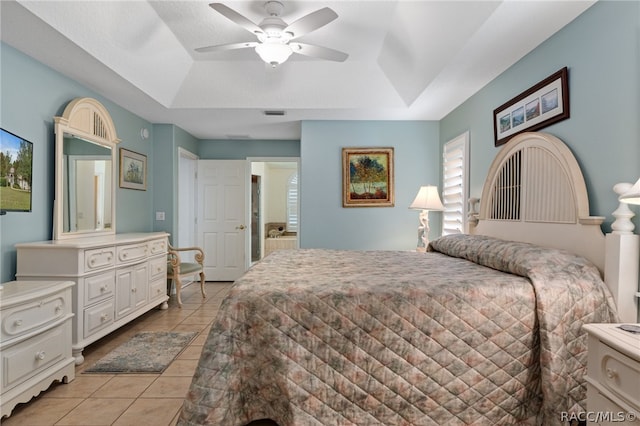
x,y
423,231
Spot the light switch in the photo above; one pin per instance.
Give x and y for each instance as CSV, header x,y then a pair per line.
x,y
159,215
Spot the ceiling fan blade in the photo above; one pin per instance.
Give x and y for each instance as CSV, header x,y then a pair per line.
x,y
231,46
311,22
234,16
319,52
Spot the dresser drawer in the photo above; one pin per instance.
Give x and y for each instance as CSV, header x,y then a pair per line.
x,y
98,317
99,287
157,268
620,374
158,246
33,315
132,252
25,359
157,288
101,258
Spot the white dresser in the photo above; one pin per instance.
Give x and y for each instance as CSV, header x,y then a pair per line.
x,y
35,339
613,375
118,278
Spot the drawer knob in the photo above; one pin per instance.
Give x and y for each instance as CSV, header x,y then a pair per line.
x,y
92,262
104,317
58,308
611,373
17,322
103,289
133,290
40,355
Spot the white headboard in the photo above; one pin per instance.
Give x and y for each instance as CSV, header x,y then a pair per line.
x,y
535,192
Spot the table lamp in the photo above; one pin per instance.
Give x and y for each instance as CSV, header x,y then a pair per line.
x,y
426,200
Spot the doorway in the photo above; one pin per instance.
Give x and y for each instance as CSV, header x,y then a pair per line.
x,y
276,207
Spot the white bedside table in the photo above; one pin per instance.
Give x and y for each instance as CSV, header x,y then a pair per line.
x,y
35,339
613,375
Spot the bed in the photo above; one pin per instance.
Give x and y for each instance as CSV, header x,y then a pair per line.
x,y
480,330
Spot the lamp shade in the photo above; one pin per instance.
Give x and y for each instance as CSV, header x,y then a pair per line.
x,y
274,53
632,196
427,199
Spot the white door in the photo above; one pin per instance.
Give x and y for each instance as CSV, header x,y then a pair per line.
x,y
222,231
187,188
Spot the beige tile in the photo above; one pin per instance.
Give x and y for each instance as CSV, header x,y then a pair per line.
x,y
96,412
189,327
150,412
168,387
191,352
81,387
200,339
125,386
41,411
181,367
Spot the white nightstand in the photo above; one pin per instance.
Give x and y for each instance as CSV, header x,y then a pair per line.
x,y
613,375
35,339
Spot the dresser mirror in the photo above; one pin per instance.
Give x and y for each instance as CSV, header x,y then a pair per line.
x,y
86,141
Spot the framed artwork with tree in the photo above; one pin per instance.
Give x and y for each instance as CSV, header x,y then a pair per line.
x,y
367,177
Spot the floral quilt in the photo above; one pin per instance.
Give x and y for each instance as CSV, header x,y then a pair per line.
x,y
476,331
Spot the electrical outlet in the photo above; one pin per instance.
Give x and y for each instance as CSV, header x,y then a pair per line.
x,y
159,215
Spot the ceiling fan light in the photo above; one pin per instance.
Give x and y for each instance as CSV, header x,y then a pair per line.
x,y
274,53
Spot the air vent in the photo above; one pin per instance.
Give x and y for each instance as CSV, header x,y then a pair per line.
x,y
274,112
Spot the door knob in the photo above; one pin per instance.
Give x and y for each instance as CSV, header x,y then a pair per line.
x,y
240,227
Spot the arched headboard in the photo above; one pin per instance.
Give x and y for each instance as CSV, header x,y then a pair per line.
x,y
535,192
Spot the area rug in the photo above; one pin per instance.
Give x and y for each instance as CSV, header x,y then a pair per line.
x,y
146,352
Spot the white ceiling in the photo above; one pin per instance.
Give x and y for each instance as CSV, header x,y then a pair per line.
x,y
408,60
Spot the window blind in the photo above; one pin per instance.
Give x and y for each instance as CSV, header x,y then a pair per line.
x,y
292,203
455,191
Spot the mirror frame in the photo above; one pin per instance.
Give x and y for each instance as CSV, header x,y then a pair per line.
x,y
88,119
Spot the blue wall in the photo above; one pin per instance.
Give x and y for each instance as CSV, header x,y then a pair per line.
x,y
241,149
601,48
31,95
325,223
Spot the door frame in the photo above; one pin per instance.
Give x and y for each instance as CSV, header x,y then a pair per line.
x,y
179,240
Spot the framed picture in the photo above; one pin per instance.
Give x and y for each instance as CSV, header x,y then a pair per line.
x,y
543,104
367,177
133,170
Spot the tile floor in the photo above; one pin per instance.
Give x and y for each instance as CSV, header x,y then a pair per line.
x,y
129,399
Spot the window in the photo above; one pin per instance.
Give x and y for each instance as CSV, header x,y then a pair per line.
x,y
455,191
292,203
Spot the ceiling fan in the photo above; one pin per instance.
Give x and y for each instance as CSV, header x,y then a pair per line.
x,y
275,37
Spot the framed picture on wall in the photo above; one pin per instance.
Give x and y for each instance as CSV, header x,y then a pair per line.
x,y
133,170
539,106
367,177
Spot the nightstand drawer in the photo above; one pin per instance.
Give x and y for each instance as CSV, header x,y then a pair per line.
x,y
620,374
34,315
25,360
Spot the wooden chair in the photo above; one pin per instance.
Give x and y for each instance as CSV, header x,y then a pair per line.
x,y
177,269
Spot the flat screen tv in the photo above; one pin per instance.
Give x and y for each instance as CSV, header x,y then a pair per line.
x,y
16,172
